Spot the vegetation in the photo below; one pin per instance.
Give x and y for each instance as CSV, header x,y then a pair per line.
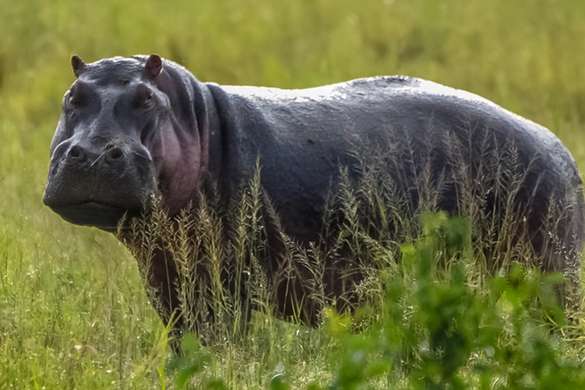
x,y
435,331
73,310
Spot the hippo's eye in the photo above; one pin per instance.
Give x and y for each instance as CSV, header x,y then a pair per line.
x,y
76,99
79,96
143,98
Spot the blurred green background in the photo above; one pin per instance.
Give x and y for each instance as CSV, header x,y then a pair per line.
x,y
73,312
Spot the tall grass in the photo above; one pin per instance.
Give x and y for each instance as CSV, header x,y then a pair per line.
x,y
73,310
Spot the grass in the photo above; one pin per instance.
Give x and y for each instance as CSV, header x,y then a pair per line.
x,y
73,311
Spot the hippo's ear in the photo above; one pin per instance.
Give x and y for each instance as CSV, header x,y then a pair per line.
x,y
153,67
78,65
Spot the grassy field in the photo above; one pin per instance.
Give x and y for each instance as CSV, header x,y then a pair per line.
x,y
73,311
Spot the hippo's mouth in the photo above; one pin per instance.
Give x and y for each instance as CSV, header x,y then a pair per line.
x,y
91,213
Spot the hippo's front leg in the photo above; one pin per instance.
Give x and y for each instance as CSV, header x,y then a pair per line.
x,y
160,278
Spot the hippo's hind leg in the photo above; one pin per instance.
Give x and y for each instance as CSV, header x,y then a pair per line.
x,y
568,255
558,242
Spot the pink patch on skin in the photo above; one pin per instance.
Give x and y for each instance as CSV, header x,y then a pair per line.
x,y
179,167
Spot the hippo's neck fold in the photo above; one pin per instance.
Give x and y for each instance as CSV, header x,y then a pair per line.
x,y
231,157
211,133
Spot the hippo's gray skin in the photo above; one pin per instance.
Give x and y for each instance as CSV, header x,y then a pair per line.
x,y
133,127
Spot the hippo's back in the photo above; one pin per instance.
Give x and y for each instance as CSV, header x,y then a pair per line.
x,y
442,148
310,132
386,105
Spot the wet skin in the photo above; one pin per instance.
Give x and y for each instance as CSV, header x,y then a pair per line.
x,y
135,127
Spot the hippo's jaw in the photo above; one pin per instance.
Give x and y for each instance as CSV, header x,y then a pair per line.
x,y
100,215
103,214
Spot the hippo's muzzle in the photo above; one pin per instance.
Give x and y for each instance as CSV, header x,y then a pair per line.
x,y
98,184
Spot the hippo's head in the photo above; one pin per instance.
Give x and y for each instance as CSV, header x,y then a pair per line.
x,y
128,131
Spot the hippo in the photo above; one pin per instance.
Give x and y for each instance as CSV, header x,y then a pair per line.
x,y
132,128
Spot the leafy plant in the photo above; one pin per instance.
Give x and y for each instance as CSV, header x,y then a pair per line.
x,y
438,331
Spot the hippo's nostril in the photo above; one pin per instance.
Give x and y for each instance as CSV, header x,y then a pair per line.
x,y
76,153
114,153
